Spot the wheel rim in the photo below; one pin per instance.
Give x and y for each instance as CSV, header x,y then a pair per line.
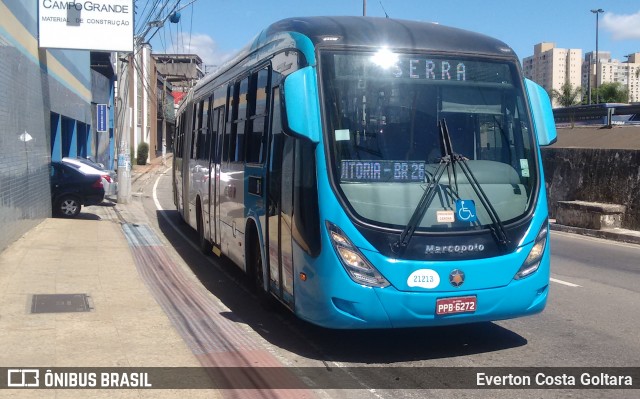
x,y
69,207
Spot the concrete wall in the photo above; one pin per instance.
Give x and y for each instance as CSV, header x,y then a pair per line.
x,y
34,83
597,175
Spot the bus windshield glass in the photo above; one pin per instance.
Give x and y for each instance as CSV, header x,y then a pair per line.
x,y
383,112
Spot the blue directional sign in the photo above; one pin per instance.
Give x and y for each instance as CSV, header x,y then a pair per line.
x,y
101,116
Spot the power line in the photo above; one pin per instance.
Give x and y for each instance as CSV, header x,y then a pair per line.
x,y
145,84
191,27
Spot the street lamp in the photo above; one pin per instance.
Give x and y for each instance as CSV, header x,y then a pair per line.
x,y
597,12
628,62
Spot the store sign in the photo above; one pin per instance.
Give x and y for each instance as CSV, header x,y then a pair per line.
x,y
102,25
101,118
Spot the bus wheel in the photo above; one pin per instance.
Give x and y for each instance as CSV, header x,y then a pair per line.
x,y
265,299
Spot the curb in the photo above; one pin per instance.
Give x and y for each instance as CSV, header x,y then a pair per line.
x,y
628,236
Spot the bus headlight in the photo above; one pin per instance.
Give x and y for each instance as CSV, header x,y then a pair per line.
x,y
354,262
532,263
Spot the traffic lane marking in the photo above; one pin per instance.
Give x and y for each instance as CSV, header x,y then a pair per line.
x,y
555,280
596,239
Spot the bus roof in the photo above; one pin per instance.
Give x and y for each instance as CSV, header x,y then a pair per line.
x,y
371,32
374,31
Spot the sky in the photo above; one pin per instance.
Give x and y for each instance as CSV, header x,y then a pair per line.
x,y
217,29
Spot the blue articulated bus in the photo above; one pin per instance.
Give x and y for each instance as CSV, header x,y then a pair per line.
x,y
372,173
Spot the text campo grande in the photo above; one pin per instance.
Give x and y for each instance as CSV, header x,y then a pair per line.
x,y
563,380
87,6
96,380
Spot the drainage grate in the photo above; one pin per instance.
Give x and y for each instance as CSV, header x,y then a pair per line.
x,y
60,303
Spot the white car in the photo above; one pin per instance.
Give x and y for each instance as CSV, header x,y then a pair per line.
x,y
89,167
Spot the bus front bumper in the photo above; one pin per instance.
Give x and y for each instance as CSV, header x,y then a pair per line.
x,y
366,307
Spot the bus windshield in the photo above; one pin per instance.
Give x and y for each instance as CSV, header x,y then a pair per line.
x,y
383,113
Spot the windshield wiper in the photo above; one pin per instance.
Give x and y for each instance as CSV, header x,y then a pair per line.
x,y
497,228
449,158
429,193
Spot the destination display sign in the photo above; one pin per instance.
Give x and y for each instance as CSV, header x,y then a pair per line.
x,y
382,171
420,68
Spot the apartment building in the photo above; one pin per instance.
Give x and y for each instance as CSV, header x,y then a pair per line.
x,y
552,67
610,70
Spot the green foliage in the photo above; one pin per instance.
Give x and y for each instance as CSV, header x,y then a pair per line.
x,y
143,153
567,95
610,93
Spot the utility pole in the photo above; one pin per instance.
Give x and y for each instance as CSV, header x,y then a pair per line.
x,y
364,8
628,62
589,75
597,12
123,109
164,121
123,123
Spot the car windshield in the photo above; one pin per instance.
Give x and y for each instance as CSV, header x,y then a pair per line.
x,y
383,113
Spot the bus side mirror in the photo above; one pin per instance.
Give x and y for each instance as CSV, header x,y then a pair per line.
x,y
301,108
544,124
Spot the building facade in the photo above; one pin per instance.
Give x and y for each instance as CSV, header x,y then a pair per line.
x,y
47,111
552,67
150,84
610,70
179,72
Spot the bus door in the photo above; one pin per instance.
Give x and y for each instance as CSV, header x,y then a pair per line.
x,y
232,211
280,206
216,141
187,143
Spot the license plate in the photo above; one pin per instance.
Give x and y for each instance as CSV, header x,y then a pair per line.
x,y
462,304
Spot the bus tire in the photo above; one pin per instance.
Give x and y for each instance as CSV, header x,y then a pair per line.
x,y
257,272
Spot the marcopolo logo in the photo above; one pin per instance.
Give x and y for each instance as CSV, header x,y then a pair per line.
x,y
453,249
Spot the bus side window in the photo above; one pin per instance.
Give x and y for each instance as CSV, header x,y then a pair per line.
x,y
218,127
208,128
241,120
176,139
215,117
258,97
197,110
201,143
229,133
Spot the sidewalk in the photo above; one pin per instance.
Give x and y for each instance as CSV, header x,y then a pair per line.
x,y
123,327
620,235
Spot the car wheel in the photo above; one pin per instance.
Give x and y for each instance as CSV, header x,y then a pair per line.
x,y
68,206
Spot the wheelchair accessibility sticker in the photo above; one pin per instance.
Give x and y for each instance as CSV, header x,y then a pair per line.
x,y
466,210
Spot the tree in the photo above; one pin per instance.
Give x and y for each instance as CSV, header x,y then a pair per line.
x,y
612,92
567,95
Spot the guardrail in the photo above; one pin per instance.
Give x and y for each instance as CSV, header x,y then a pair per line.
x,y
594,114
